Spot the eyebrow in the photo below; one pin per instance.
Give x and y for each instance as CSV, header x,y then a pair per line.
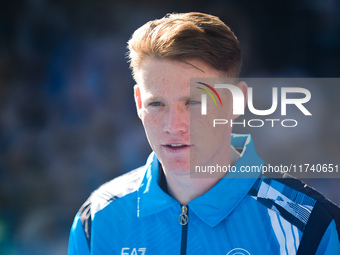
x,y
153,98
157,98
185,98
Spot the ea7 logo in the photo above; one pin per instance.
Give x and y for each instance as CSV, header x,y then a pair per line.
x,y
133,251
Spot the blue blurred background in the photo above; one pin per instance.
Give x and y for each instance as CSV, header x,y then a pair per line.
x,y
67,115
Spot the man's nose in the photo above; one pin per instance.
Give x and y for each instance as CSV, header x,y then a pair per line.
x,y
176,120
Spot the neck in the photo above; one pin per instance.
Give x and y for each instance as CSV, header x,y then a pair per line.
x,y
185,188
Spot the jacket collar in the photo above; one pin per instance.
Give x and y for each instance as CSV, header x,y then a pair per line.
x,y
216,204
151,198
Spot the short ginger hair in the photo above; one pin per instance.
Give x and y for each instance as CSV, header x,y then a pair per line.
x,y
183,36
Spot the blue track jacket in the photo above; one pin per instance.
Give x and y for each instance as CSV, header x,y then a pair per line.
x,y
134,215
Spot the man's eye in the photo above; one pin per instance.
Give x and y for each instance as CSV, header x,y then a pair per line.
x,y
156,104
192,102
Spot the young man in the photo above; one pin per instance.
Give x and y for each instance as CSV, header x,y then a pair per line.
x,y
160,208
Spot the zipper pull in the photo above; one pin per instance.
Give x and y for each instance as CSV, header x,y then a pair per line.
x,y
183,218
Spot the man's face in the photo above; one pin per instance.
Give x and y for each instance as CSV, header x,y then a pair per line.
x,y
171,114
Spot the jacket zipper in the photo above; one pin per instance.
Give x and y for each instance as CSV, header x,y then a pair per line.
x,y
183,220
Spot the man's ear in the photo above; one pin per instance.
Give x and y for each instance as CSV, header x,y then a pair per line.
x,y
244,88
138,100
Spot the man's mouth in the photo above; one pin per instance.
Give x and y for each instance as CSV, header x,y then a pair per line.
x,y
176,146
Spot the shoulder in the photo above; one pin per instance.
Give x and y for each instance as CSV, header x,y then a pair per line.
x,y
107,193
301,205
117,187
294,200
323,210
323,214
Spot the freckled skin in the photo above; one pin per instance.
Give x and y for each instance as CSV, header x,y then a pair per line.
x,y
172,115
